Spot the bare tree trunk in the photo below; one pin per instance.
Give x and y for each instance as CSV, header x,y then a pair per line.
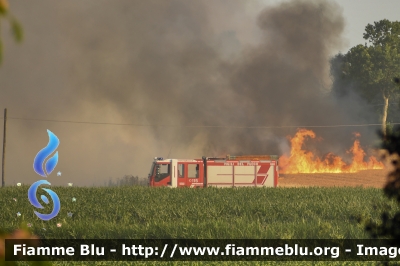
x,y
385,111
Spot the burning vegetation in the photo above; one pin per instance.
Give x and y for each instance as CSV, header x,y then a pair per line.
x,y
304,161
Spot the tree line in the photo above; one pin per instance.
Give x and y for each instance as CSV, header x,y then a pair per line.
x,y
127,180
369,69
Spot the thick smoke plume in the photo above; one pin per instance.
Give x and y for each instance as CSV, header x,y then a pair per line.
x,y
173,69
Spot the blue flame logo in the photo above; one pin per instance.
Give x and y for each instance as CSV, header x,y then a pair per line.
x,y
44,153
32,198
49,167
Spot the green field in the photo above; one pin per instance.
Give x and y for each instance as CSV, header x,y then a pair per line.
x,y
141,212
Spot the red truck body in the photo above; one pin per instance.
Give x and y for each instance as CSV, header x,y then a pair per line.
x,y
232,171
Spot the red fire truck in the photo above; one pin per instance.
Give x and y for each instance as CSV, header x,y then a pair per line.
x,y
232,171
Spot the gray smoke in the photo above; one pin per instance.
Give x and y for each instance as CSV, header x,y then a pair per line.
x,y
161,65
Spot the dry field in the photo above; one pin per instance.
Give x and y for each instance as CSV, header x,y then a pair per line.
x,y
367,178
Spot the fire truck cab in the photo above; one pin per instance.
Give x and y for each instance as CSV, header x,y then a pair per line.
x,y
186,173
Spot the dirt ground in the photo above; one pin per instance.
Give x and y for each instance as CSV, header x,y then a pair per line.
x,y
367,178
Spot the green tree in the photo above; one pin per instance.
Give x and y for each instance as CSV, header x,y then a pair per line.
x,y
369,69
389,226
16,28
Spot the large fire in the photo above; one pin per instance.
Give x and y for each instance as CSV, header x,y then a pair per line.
x,y
303,161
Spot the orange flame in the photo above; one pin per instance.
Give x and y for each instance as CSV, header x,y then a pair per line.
x,y
303,161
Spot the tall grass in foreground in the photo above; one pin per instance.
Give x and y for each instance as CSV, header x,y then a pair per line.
x,y
142,212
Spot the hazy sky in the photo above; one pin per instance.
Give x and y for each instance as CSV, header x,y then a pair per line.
x,y
358,13
174,62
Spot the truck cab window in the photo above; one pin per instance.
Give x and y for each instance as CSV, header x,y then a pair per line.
x,y
162,171
193,171
181,170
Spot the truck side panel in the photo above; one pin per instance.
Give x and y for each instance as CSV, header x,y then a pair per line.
x,y
244,176
236,174
219,176
266,175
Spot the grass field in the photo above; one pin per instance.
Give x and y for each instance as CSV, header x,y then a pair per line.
x,y
141,212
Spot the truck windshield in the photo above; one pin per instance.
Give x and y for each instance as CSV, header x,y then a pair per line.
x,y
162,171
